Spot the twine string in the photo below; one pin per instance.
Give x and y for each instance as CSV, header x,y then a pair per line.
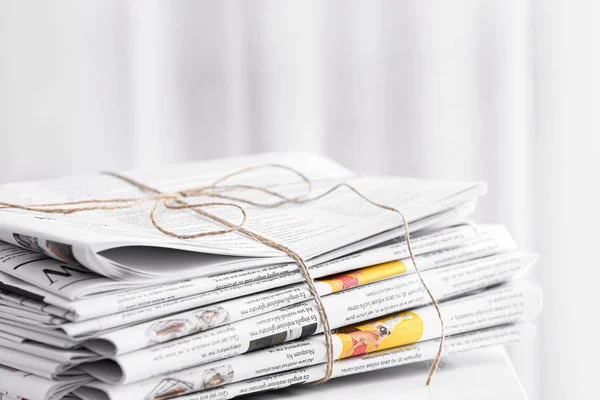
x,y
172,201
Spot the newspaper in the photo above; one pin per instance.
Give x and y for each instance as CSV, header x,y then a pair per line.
x,y
12,330
32,307
20,385
46,276
33,387
302,319
142,336
68,357
14,300
504,305
493,240
40,366
371,362
108,242
70,281
22,312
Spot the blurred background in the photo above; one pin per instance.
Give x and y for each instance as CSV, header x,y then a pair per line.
x,y
496,90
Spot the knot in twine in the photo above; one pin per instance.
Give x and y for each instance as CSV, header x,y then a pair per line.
x,y
173,201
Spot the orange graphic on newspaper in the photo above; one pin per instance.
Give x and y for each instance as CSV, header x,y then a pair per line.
x,y
384,333
169,329
366,275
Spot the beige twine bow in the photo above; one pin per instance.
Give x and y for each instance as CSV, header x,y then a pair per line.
x,y
173,201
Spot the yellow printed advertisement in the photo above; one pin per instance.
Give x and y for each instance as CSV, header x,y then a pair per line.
x,y
383,333
366,275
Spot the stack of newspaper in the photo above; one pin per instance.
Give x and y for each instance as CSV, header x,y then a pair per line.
x,y
99,304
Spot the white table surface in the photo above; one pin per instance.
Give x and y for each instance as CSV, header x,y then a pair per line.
x,y
482,374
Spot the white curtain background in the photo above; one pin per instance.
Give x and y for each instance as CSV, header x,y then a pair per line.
x,y
496,90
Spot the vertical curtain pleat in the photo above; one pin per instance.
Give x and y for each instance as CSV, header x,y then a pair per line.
x,y
64,88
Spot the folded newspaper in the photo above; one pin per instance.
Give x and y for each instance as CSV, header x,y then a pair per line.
x,y
100,304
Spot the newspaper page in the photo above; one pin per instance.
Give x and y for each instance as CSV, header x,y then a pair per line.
x,y
63,279
504,305
11,311
289,323
492,241
28,329
310,228
73,282
15,300
497,239
169,178
19,333
451,217
25,386
40,366
70,356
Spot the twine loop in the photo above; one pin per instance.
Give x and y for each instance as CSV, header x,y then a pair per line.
x,y
218,190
